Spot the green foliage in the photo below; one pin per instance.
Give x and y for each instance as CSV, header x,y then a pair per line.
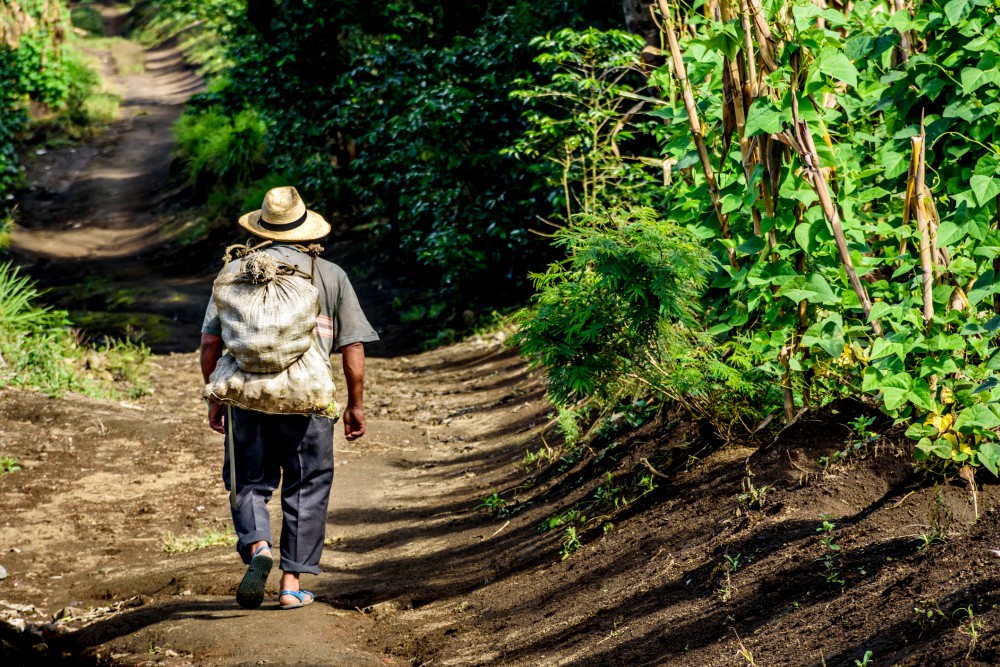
x,y
573,113
780,302
625,297
89,19
220,149
39,350
8,464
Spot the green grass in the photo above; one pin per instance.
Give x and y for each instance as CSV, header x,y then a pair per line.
x,y
89,19
207,537
40,350
102,108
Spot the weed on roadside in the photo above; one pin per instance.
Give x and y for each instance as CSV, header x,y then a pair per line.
x,y
208,537
8,464
969,626
494,504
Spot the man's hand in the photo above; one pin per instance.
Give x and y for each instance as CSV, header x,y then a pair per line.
x,y
354,422
215,412
353,357
211,352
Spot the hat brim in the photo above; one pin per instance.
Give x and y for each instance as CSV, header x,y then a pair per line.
x,y
312,228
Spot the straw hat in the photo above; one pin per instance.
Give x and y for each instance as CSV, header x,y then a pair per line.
x,y
283,217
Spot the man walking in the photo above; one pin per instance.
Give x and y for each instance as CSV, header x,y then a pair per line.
x,y
296,450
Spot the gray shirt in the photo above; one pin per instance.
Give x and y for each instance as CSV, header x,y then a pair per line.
x,y
340,322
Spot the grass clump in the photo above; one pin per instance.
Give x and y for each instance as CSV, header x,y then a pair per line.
x,y
221,149
39,349
88,19
208,537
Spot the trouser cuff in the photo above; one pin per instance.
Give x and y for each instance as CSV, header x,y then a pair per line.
x,y
244,543
298,568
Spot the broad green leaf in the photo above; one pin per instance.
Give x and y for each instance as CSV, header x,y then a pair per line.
x,y
835,64
763,117
985,188
978,416
973,79
920,394
988,384
989,456
919,430
869,194
955,10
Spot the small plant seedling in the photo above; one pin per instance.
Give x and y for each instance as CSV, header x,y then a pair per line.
x,y
734,562
570,542
830,559
8,464
865,661
494,504
928,614
970,626
752,497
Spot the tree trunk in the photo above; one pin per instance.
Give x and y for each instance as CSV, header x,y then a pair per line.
x,y
639,21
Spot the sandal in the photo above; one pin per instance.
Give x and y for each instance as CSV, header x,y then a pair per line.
x,y
251,591
300,596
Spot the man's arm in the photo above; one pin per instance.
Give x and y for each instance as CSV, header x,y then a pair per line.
x,y
211,352
353,357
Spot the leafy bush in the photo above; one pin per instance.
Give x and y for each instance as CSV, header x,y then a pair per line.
x,y
89,19
843,269
619,319
39,350
221,150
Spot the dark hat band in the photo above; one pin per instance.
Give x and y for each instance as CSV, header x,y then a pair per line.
x,y
282,227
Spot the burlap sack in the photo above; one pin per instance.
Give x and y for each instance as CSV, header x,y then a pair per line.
x,y
305,387
267,318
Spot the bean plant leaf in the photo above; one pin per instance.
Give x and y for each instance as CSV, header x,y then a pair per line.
x,y
763,117
985,188
989,456
990,383
835,64
978,416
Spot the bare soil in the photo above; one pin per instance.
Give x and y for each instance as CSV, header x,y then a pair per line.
x,y
722,563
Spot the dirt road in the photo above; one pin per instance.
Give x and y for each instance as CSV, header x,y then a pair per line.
x,y
106,487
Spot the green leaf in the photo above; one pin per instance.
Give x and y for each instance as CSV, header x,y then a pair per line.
x,y
811,235
988,384
920,395
973,79
978,416
752,245
985,188
871,193
955,10
918,430
989,456
836,65
813,289
763,117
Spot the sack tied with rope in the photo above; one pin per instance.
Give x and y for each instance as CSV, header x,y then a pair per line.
x,y
274,364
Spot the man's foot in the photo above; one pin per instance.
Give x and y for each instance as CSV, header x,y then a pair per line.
x,y
251,591
294,599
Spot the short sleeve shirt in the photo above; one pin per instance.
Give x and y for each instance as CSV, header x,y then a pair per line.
x,y
341,320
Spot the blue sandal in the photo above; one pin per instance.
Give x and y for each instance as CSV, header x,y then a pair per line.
x,y
300,596
251,591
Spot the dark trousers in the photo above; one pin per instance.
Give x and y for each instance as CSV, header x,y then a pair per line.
x,y
296,450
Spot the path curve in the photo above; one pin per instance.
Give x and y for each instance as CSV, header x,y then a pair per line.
x,y
101,200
